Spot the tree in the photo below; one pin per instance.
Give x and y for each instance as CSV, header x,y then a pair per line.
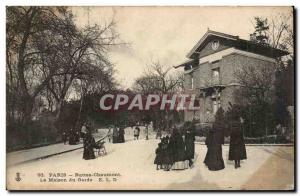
x,y
278,31
261,30
27,71
83,60
47,53
160,80
256,95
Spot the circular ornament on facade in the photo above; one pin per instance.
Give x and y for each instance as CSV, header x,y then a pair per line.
x,y
215,45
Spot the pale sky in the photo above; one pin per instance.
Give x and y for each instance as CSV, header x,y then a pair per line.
x,y
167,34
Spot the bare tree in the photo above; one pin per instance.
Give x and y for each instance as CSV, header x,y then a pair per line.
x,y
257,84
159,79
277,31
84,57
26,25
46,53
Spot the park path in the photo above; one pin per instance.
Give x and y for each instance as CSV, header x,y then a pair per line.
x,y
277,173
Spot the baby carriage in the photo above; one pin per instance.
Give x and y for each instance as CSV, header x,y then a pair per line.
x,y
100,148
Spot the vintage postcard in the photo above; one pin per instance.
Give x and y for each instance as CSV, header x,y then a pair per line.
x,y
150,98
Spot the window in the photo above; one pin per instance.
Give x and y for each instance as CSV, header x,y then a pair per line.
x,y
216,104
192,82
196,103
216,75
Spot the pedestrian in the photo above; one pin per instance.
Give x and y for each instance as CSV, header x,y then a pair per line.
x,y
208,142
88,146
109,134
213,158
167,160
77,137
121,135
64,137
115,134
147,132
237,148
189,141
83,130
136,133
178,150
72,138
159,156
158,133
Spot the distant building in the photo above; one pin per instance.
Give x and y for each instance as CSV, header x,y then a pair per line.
x,y
209,72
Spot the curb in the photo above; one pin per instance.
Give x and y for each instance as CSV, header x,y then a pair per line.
x,y
44,157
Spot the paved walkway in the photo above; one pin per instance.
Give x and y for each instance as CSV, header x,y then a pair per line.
x,y
267,167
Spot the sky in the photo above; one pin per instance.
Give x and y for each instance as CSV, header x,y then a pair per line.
x,y
167,34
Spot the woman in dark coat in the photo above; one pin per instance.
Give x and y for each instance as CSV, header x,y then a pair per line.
x,y
237,148
72,137
215,139
121,135
88,145
178,150
189,140
214,160
167,153
115,135
64,137
159,156
208,142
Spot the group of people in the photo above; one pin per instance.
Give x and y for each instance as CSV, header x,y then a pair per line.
x,y
173,151
215,139
117,135
176,151
73,137
237,149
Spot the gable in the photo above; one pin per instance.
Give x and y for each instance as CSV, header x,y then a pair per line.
x,y
208,48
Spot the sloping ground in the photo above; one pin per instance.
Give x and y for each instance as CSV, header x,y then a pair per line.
x,y
133,163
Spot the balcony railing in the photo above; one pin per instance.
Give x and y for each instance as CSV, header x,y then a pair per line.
x,y
215,81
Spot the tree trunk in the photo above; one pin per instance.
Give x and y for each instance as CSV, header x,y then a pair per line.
x,y
27,108
59,108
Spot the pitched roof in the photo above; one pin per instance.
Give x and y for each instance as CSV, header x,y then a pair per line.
x,y
240,43
205,36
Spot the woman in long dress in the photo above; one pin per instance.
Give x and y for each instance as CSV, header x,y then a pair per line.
x,y
237,148
115,135
189,140
213,159
121,134
88,146
178,148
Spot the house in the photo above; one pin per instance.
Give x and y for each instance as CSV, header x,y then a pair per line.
x,y
209,70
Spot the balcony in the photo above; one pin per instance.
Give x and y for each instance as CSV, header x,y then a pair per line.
x,y
215,81
212,82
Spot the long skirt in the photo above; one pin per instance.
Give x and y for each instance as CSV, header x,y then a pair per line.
x,y
121,138
88,153
237,152
158,159
115,139
214,160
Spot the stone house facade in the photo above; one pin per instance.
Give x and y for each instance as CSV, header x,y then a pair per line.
x,y
210,70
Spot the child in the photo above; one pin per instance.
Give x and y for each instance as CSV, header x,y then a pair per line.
x,y
136,133
158,158
167,162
